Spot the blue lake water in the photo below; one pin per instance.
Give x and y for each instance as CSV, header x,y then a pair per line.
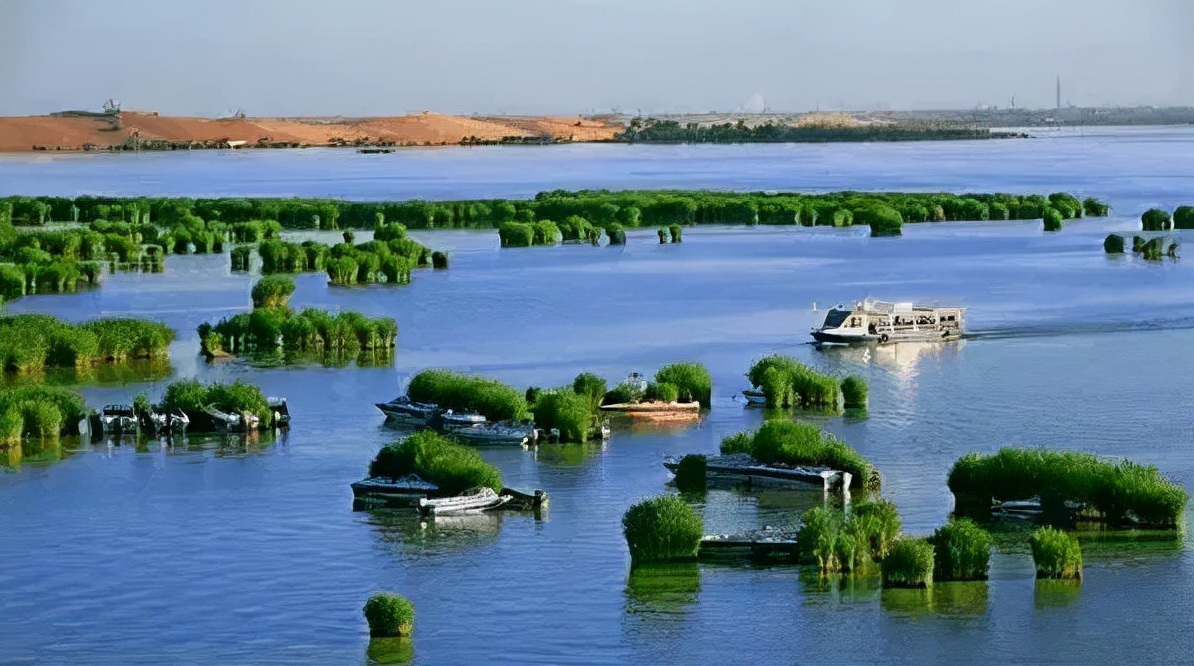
x,y
239,553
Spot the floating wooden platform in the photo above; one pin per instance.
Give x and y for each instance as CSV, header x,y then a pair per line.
x,y
657,411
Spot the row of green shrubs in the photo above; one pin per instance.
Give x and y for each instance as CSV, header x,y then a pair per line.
x,y
31,343
387,259
435,458
1157,219
786,382
193,398
1152,249
1119,493
39,412
272,325
599,208
794,443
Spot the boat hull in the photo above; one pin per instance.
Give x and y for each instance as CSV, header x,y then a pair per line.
x,y
829,337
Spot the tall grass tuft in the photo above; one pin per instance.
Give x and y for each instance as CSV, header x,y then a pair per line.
x,y
962,551
691,380
272,291
452,390
909,564
40,412
794,443
850,542
854,392
1053,219
435,458
1155,219
1056,554
793,384
662,529
565,410
389,614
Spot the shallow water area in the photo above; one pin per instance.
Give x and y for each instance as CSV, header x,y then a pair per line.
x,y
237,552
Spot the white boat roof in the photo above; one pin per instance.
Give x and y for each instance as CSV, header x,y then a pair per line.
x,y
889,307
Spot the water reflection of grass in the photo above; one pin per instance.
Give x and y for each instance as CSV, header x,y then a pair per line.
x,y
395,650
336,359
104,374
568,455
1011,536
662,588
837,588
1050,593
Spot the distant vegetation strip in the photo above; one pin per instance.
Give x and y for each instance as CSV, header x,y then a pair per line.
x,y
387,259
652,130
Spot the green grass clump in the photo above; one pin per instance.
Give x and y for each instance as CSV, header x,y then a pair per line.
x,y
662,529
1120,493
563,409
1183,217
269,329
691,474
616,233
1113,244
435,458
452,390
272,291
40,412
909,564
962,551
793,443
848,542
675,231
1053,219
883,220
592,387
389,614
30,343
1056,554
692,382
516,234
1155,219
123,338
854,392
1092,207
793,384
193,398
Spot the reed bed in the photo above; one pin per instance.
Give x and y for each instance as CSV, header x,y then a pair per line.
x,y
1056,554
909,564
962,551
692,382
662,529
786,382
194,398
438,459
794,443
1120,493
31,343
848,542
39,412
451,390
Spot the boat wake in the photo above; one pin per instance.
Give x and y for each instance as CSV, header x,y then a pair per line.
x,y
1053,329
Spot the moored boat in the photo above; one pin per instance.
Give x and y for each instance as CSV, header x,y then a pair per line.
x,y
281,412
754,397
494,433
657,411
228,422
882,322
742,467
472,501
118,419
404,410
168,423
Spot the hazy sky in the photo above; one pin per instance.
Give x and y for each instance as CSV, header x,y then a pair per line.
x,y
206,57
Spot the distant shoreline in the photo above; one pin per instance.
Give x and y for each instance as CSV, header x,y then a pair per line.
x,y
81,131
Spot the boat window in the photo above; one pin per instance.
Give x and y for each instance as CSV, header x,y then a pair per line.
x,y
836,318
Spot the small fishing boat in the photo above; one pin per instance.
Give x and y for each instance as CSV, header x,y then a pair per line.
x,y
168,423
227,422
118,419
281,412
494,433
472,501
453,419
873,321
754,397
742,467
404,410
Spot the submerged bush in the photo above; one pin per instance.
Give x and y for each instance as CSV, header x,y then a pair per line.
x,y
1053,219
616,233
793,443
452,390
516,234
962,550
439,259
1056,554
1183,217
793,384
662,529
1092,207
850,542
435,458
909,564
272,291
1155,219
675,230
1113,244
854,392
692,382
389,615
883,220
1120,493
691,474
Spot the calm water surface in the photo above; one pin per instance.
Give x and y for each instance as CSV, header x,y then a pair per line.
x,y
249,553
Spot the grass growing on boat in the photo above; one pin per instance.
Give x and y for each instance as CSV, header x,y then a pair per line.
x,y
854,392
909,564
1056,554
30,343
193,398
435,458
691,474
962,551
563,409
691,380
389,614
451,390
793,384
1119,493
794,443
272,291
662,529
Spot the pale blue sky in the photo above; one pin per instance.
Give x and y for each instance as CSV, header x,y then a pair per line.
x,y
359,57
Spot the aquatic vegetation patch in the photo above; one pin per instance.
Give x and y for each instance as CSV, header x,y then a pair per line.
x,y
887,221
453,467
691,474
389,614
662,529
909,564
786,382
793,443
1183,217
1155,219
838,541
1118,493
193,398
1113,244
31,343
40,412
962,550
1056,554
566,411
452,390
272,291
854,392
1092,207
692,382
1053,219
